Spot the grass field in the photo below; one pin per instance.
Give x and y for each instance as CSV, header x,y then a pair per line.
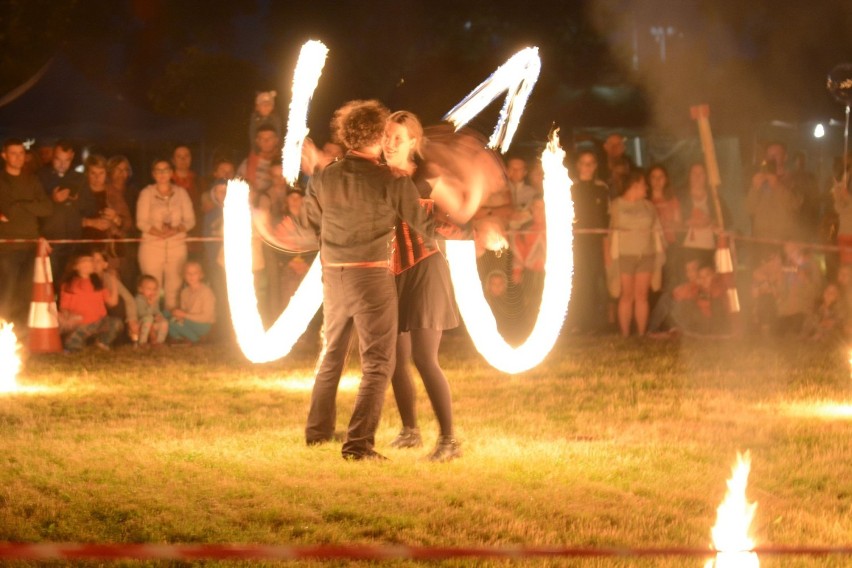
x,y
609,442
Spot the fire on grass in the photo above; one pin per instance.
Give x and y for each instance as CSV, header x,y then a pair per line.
x,y
731,538
10,358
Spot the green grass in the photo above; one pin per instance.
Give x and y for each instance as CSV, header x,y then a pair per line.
x,y
607,443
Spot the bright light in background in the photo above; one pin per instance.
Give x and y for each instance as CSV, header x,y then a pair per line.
x,y
824,410
517,77
305,79
10,359
558,268
819,131
733,521
261,346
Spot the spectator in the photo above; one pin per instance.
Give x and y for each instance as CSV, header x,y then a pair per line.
x,y
65,222
44,154
22,203
264,114
636,253
193,318
83,301
767,283
589,302
828,320
122,197
223,169
294,266
771,202
843,208
800,288
671,219
616,166
119,184
699,216
701,309
668,206
661,321
529,251
153,327
164,214
182,175
214,258
521,192
101,218
125,309
255,168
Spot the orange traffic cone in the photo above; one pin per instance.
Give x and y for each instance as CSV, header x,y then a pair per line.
x,y
44,319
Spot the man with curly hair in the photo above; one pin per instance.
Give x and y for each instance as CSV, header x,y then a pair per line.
x,y
353,205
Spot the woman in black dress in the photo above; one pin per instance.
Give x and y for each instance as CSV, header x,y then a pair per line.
x,y
426,304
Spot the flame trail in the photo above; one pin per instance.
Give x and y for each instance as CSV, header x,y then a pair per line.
x,y
517,77
10,360
261,346
733,518
305,78
477,314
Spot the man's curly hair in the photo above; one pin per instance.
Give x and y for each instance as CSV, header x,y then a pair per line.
x,y
359,124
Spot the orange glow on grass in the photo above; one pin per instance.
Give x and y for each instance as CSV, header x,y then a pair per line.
x,y
731,537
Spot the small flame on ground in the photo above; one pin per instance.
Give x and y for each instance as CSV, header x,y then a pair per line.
x,y
558,268
733,520
517,77
10,359
261,346
850,363
305,78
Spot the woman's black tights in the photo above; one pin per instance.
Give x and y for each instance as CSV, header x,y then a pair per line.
x,y
421,346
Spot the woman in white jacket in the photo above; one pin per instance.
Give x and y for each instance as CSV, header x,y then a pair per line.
x,y
164,214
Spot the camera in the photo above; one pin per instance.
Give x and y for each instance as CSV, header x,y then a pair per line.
x,y
768,167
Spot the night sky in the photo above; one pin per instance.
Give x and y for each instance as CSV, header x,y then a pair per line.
x,y
604,63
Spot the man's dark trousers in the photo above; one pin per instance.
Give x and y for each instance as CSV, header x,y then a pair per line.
x,y
366,299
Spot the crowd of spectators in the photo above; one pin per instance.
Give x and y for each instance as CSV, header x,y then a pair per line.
x,y
645,251
128,270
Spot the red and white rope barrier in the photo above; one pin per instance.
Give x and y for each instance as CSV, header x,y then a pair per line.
x,y
74,551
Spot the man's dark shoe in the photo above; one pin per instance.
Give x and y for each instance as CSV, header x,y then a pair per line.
x,y
407,438
447,448
369,455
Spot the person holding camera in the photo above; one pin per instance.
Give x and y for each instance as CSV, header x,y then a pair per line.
x,y
62,185
771,202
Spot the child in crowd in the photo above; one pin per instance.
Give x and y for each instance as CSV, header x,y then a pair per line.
x,y
196,311
83,301
264,114
660,324
153,326
126,307
703,309
827,320
802,285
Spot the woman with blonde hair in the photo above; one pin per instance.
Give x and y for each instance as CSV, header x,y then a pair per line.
x,y
426,303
